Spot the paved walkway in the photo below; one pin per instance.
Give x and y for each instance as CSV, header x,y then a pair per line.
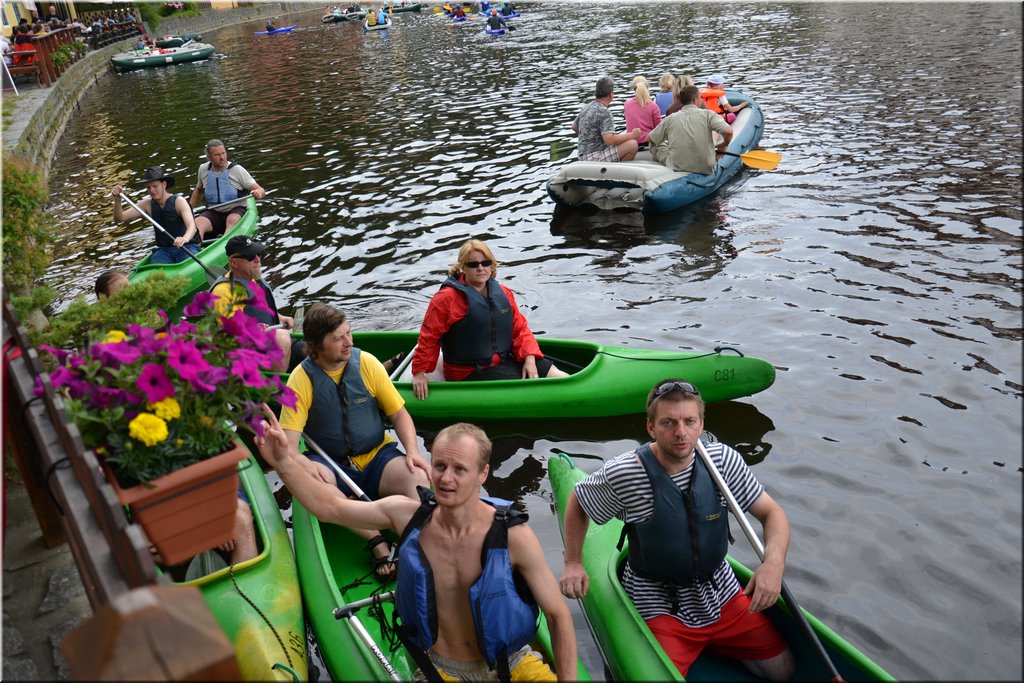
x,y
29,98
43,597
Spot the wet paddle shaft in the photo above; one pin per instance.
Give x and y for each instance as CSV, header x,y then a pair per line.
x,y
755,541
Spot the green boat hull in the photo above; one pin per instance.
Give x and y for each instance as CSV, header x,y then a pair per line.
x,y
605,380
331,559
133,61
212,254
630,651
407,8
271,582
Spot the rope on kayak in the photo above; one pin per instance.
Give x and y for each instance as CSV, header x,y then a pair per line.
x,y
231,571
388,629
718,351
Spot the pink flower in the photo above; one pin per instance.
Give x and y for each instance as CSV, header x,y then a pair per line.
x,y
251,356
209,379
116,353
248,372
287,396
202,303
186,358
154,383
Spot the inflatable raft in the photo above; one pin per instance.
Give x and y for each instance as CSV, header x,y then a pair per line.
x,y
377,27
648,186
145,59
177,41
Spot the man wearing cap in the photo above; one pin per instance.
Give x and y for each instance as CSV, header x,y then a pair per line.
x,y
596,128
220,182
714,99
495,22
243,288
171,211
684,141
676,520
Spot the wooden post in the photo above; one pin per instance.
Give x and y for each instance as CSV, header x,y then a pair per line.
x,y
159,632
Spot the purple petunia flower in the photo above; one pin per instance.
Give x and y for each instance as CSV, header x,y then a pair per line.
x,y
202,302
107,397
249,373
154,383
115,353
251,356
186,359
209,379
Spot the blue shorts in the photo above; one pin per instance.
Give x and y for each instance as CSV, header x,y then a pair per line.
x,y
368,479
166,255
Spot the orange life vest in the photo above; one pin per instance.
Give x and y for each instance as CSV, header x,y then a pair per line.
x,y
710,97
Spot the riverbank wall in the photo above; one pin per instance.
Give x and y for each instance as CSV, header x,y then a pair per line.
x,y
42,113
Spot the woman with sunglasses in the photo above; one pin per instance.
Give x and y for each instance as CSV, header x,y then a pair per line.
x,y
474,320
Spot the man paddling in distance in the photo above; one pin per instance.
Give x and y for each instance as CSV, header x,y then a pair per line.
x,y
342,394
171,211
447,539
676,573
220,182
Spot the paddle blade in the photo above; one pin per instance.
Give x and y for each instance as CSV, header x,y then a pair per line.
x,y
562,149
760,158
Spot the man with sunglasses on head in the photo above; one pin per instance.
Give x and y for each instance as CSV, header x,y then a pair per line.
x,y
677,524
243,288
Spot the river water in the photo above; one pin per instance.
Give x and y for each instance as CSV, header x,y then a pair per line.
x,y
878,268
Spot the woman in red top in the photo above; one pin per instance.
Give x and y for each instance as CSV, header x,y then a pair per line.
x,y
477,324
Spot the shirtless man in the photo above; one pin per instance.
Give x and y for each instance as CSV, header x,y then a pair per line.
x,y
454,525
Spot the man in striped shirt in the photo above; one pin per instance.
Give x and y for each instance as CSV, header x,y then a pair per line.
x,y
677,522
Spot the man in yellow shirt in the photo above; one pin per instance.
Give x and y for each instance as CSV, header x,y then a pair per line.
x,y
342,395
245,264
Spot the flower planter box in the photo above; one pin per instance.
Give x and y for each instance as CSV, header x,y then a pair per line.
x,y
189,510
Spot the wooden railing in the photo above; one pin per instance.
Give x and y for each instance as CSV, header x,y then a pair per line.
x,y
73,502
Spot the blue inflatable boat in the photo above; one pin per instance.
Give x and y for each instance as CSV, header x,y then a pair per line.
x,y
646,185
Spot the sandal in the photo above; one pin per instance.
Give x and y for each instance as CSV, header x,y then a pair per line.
x,y
385,566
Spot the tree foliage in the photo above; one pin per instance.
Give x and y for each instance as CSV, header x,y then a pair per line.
x,y
28,229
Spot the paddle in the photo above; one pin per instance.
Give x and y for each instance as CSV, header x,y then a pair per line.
x,y
756,158
348,612
748,529
213,273
397,372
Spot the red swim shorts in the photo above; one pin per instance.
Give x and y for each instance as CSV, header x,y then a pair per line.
x,y
737,634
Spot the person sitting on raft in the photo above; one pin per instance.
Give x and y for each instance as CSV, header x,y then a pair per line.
x,y
507,9
382,17
495,22
371,18
460,12
714,99
270,25
477,324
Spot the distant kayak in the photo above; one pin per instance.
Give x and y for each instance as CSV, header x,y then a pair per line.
x,y
283,29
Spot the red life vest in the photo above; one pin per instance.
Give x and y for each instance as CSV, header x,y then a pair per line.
x,y
710,97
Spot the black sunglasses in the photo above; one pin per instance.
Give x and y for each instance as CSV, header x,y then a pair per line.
x,y
247,258
486,263
684,387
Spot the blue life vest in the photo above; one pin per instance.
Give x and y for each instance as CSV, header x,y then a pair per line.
x,y
687,537
504,611
167,216
249,308
467,342
218,189
344,418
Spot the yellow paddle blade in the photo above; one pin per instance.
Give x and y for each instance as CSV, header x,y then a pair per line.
x,y
760,158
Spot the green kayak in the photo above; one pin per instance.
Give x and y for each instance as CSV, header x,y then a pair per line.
x,y
396,9
335,570
212,254
145,59
627,646
605,380
258,602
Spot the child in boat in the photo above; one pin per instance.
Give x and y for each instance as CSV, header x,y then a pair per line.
x,y
714,99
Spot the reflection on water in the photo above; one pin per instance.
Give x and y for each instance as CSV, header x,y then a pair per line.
x,y
878,268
